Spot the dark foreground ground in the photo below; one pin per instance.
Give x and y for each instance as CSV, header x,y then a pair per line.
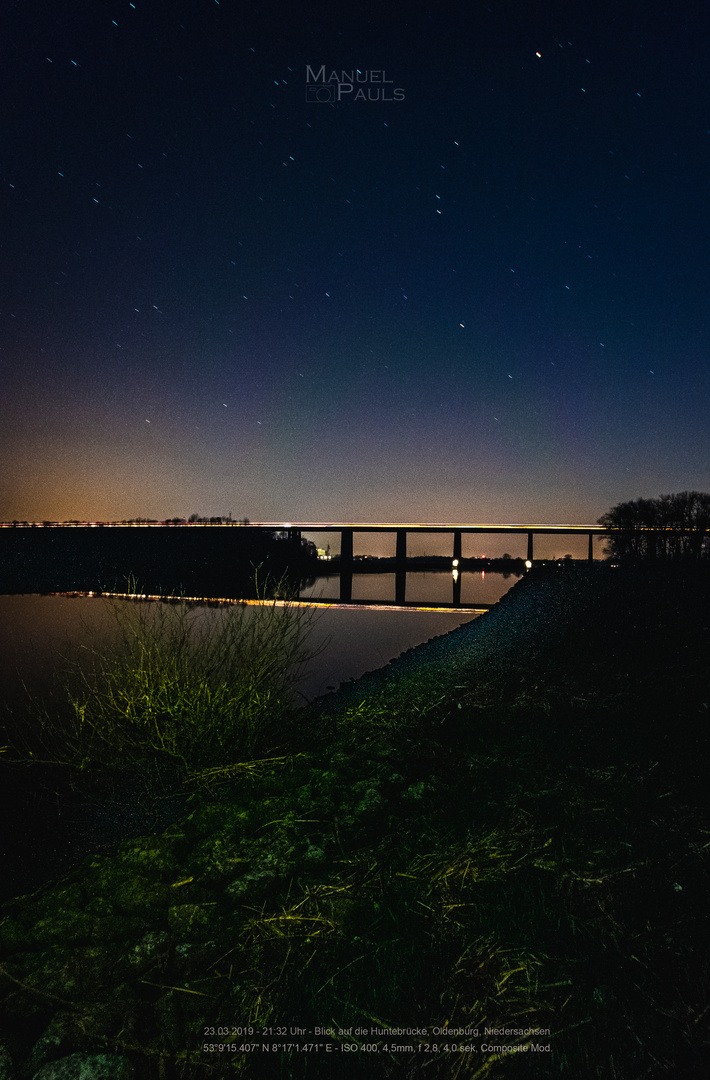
x,y
488,860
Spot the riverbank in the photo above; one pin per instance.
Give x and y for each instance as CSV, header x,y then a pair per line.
x,y
505,829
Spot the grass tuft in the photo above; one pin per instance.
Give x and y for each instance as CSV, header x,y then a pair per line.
x,y
191,694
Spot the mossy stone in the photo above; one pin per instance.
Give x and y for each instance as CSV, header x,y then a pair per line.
x,y
13,933
144,952
184,918
87,1067
7,1070
62,925
148,851
141,892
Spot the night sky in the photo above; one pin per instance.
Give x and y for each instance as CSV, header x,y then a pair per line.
x,y
483,298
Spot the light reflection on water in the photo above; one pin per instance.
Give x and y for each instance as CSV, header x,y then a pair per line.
x,y
434,587
37,631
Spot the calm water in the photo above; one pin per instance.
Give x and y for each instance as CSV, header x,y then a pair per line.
x,y
36,632
433,587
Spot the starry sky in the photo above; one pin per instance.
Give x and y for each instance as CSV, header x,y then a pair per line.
x,y
471,286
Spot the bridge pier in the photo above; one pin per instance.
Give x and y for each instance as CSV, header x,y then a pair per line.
x,y
530,547
401,552
346,565
457,544
400,567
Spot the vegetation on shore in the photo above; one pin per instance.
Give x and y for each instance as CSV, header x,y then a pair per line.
x,y
512,836
183,691
671,528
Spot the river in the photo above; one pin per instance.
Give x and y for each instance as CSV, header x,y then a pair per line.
x,y
38,631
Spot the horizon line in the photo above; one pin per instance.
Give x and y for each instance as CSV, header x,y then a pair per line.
x,y
309,526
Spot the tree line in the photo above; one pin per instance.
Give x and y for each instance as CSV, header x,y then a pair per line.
x,y
672,528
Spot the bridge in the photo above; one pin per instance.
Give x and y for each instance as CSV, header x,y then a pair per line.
x,y
347,531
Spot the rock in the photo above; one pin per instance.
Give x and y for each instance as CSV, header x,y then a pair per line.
x,y
138,893
145,951
87,1067
186,918
256,881
48,1044
154,852
190,955
7,1071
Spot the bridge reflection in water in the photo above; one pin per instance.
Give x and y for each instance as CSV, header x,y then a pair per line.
x,y
472,591
347,564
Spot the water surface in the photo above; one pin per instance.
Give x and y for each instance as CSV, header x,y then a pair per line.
x,y
39,634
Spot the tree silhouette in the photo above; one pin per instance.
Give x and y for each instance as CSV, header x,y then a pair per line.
x,y
672,528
